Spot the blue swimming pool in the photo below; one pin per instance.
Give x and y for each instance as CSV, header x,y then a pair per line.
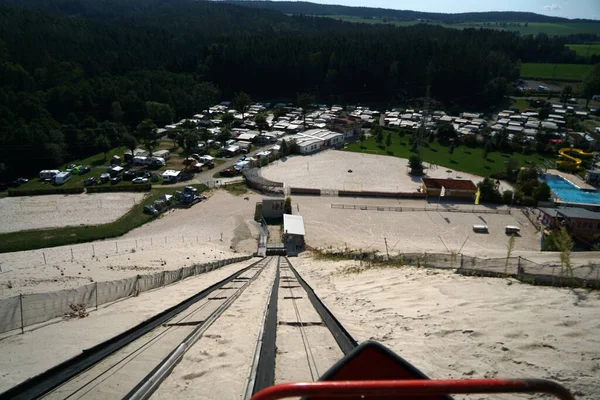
x,y
568,192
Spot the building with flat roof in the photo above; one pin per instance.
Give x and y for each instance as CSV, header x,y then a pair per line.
x,y
273,208
453,187
578,221
293,233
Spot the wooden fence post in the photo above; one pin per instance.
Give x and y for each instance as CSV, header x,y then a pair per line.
x,y
22,319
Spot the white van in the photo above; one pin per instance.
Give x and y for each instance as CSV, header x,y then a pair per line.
x,y
480,228
61,178
48,173
512,230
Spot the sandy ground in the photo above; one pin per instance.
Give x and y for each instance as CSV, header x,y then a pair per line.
x,y
451,326
329,170
220,227
36,212
145,260
27,355
419,231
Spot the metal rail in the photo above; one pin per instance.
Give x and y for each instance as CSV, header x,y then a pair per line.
x,y
343,338
49,380
152,381
264,361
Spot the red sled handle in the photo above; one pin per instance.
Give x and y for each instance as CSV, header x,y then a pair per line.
x,y
409,388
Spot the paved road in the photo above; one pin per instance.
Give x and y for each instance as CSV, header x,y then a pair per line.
x,y
206,176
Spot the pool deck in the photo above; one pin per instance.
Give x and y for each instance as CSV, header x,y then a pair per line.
x,y
574,179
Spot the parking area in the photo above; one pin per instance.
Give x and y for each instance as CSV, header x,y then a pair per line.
x,y
53,211
418,231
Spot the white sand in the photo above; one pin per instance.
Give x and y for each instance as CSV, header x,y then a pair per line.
x,y
451,326
420,231
329,170
24,356
181,237
37,212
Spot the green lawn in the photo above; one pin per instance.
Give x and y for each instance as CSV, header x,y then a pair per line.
x,y
463,159
36,239
555,71
521,104
586,50
523,28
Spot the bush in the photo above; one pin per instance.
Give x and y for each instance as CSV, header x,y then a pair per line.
x,y
529,201
288,205
41,192
120,188
507,196
501,175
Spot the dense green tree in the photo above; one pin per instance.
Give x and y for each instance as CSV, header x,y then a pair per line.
x,y
446,133
566,94
160,113
261,122
591,84
241,102
489,191
130,142
102,144
146,132
542,192
227,119
304,101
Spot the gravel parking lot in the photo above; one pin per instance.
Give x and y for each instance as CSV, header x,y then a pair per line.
x,y
330,170
37,212
436,231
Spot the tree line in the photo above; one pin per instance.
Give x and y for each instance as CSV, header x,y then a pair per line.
x,y
79,75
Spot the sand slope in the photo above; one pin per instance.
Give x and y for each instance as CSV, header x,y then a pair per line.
x,y
449,325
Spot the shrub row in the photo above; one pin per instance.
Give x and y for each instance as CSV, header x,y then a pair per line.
x,y
40,192
145,187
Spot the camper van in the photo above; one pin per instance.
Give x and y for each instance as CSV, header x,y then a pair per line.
x,y
48,173
512,230
61,178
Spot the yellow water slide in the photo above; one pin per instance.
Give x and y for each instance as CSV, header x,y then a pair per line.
x,y
570,161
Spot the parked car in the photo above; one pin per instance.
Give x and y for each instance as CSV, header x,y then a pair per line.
x,y
139,179
150,210
22,180
105,177
229,172
190,189
115,180
144,174
129,175
92,180
84,170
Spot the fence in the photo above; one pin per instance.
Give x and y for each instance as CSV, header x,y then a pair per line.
x,y
98,249
21,311
585,276
405,209
255,181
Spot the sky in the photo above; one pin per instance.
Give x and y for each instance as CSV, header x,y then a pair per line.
x,y
589,9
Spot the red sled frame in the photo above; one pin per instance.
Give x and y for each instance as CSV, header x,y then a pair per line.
x,y
402,389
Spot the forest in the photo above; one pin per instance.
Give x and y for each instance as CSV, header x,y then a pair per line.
x,y
77,76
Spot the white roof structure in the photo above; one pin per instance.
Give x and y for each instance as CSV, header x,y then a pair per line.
x,y
293,224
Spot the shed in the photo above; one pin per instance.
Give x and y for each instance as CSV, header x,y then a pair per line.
x,y
273,208
293,233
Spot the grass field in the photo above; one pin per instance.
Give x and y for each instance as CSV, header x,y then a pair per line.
x,y
36,239
523,28
463,158
576,72
586,50
521,104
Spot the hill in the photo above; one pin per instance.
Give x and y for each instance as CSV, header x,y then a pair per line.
x,y
307,8
77,76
